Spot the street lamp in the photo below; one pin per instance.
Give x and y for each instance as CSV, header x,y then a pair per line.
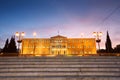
x,y
82,34
20,36
97,36
34,34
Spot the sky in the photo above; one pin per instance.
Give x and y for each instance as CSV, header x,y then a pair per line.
x,y
69,17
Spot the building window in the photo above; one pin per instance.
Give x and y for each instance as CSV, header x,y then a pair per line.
x,y
64,52
53,46
64,46
69,47
52,52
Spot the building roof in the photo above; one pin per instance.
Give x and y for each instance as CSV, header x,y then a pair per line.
x,y
58,36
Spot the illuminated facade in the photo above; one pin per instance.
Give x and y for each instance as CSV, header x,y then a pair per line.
x,y
58,45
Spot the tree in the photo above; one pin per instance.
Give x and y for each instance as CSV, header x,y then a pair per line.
x,y
12,45
0,50
5,49
101,51
117,49
108,44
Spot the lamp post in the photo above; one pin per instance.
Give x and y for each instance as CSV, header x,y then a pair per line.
x,y
97,36
82,34
20,36
34,34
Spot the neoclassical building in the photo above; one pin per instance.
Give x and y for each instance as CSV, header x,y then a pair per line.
x,y
58,45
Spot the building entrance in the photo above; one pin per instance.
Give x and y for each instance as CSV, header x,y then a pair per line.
x,y
58,45
59,51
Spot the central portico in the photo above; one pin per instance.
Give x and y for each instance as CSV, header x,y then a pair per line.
x,y
58,45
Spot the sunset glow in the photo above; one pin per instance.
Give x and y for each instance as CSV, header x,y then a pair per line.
x,y
69,17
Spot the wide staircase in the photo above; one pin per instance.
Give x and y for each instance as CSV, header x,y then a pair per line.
x,y
60,68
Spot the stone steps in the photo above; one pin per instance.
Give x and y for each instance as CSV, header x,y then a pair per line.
x,y
67,57
60,68
63,61
60,73
61,78
56,62
59,60
60,65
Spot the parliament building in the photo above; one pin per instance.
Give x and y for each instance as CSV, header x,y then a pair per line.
x,y
58,45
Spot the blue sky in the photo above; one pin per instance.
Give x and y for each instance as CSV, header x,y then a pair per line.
x,y
70,17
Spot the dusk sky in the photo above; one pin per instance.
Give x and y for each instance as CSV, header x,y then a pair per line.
x,y
69,17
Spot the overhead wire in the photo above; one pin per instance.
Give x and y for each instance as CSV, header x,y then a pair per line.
x,y
109,15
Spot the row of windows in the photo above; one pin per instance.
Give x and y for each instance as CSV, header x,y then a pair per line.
x,y
81,52
58,41
73,41
58,52
48,41
60,47
32,41
80,46
72,52
37,47
83,41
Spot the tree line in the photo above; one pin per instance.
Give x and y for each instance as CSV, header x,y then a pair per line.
x,y
108,46
10,46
